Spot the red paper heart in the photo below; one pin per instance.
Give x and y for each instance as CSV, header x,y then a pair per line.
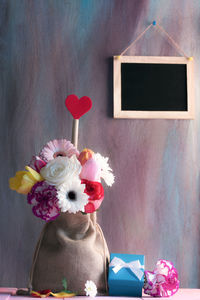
x,y
78,107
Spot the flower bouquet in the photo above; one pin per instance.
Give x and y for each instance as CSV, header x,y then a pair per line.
x,y
60,179
64,189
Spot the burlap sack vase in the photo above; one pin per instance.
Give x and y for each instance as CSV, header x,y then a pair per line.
x,y
72,247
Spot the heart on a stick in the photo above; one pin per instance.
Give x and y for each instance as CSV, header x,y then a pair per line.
x,y
78,107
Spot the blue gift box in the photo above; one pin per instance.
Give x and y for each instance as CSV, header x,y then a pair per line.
x,y
126,275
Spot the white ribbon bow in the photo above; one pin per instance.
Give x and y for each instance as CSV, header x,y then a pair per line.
x,y
134,266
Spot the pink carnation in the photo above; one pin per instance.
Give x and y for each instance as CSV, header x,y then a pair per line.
x,y
163,281
43,197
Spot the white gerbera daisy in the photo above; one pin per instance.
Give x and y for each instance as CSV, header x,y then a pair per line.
x,y
106,171
90,288
71,196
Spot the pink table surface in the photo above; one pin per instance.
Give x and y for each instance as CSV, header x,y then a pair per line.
x,y
182,294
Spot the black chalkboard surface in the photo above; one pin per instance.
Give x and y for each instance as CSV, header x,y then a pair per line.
x,y
153,87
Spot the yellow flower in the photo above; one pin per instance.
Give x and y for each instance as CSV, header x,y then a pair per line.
x,y
24,180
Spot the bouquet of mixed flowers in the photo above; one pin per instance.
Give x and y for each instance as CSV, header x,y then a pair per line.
x,y
60,179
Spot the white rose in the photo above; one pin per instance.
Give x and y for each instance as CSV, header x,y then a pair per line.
x,y
57,170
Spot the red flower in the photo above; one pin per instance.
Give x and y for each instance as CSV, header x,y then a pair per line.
x,y
95,192
93,189
92,206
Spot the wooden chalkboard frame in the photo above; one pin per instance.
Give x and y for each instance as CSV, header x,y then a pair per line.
x,y
133,114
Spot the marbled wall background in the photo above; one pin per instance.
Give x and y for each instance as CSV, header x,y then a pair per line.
x,y
49,49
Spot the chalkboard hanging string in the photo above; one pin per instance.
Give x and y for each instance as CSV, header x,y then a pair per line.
x,y
139,37
173,43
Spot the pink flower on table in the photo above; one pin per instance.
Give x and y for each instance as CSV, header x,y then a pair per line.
x,y
163,281
44,199
57,148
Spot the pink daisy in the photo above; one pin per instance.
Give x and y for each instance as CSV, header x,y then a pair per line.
x,y
57,148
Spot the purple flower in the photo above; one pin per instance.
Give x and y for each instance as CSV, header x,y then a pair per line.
x,y
44,199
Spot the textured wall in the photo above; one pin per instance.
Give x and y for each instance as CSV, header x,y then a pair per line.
x,y
49,49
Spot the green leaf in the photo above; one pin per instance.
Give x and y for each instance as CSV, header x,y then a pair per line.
x,y
64,283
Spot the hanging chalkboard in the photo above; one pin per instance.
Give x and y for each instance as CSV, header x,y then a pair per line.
x,y
153,87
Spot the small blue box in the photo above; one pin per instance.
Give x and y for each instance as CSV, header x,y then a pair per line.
x,y
122,281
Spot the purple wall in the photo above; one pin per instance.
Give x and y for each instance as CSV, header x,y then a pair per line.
x,y
50,49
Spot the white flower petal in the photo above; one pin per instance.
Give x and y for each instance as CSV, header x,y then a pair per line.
x,y
57,170
90,288
106,171
65,201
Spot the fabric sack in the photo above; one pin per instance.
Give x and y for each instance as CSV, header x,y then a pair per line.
x,y
72,247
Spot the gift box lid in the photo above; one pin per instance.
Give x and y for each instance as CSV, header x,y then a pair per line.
x,y
125,276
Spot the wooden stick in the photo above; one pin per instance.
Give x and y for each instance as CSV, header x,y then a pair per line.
x,y
75,132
